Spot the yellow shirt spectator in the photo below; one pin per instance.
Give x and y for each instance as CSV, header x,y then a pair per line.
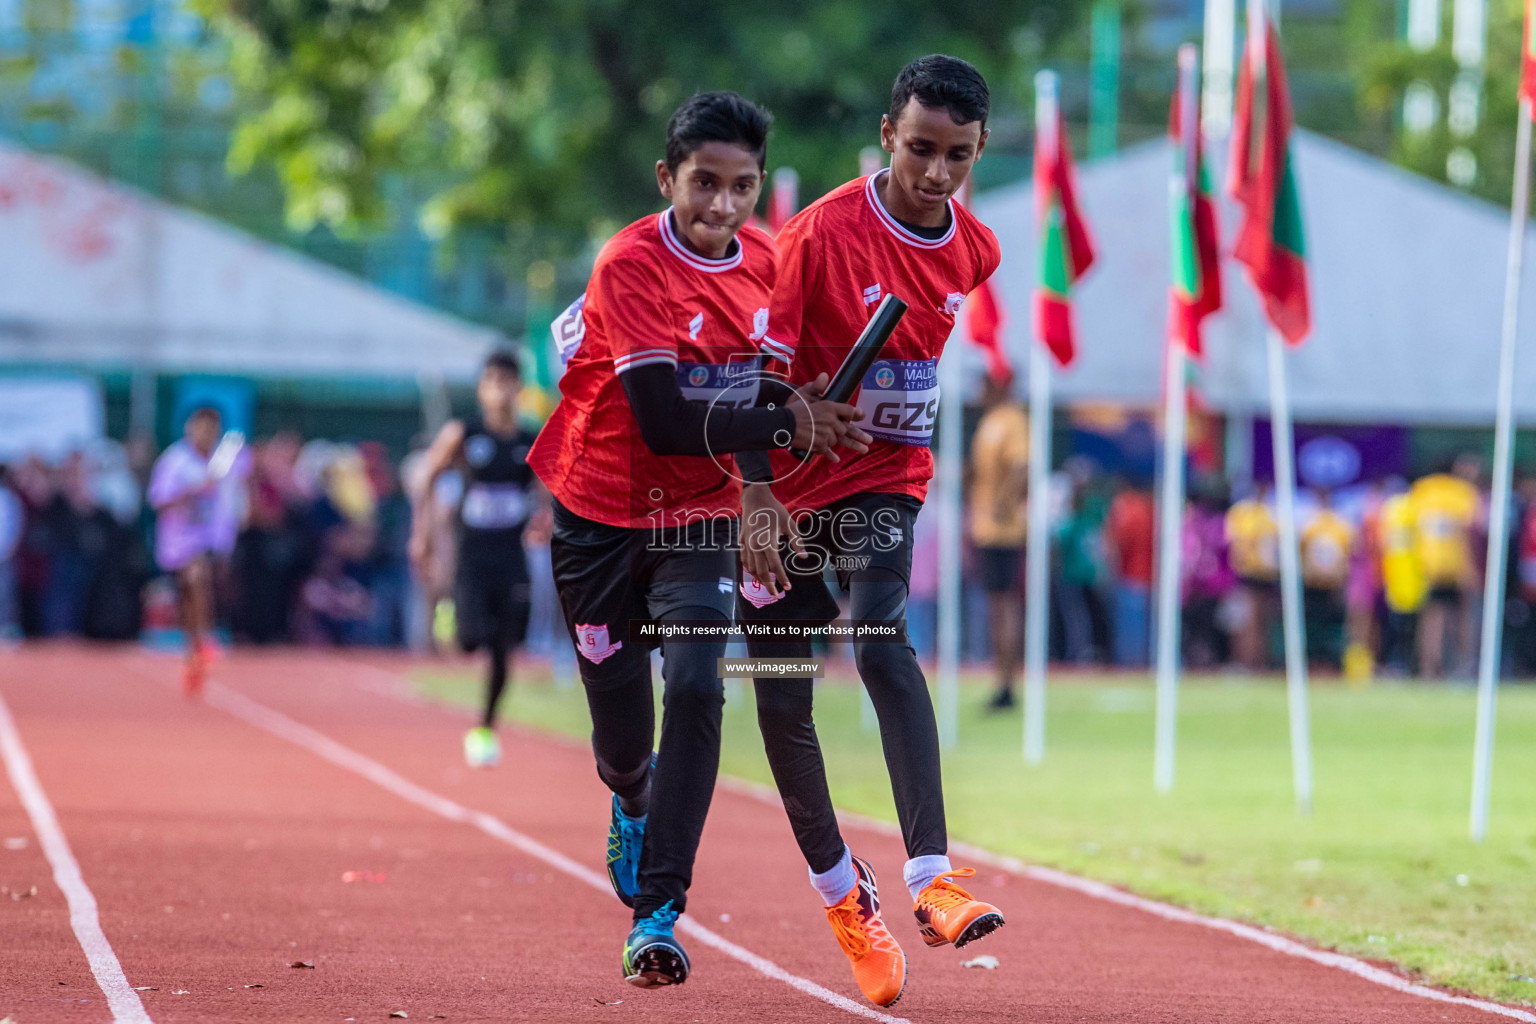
x,y
1445,507
1326,542
1253,540
1401,575
999,472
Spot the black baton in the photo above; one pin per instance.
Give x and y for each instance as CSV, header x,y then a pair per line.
x,y
865,351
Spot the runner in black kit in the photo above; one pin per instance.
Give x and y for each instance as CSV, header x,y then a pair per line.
x,y
501,494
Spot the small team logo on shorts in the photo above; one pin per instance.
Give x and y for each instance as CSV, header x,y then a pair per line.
x,y
753,590
885,377
725,584
698,375
592,642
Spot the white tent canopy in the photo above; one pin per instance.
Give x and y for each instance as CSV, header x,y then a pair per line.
x,y
97,275
1407,282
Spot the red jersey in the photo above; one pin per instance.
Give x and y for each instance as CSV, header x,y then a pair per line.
x,y
842,255
652,300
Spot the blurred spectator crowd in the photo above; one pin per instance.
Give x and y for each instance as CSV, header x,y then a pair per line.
x,y
319,556
1392,574
1393,570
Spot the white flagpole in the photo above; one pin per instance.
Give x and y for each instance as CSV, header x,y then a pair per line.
x,y
1170,559
1037,552
1169,571
1216,96
1038,543
1503,456
1290,578
1283,445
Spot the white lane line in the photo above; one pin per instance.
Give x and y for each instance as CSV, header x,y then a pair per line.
x,y
1167,911
1087,887
278,724
122,1000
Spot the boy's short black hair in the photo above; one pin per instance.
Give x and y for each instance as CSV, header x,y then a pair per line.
x,y
717,117
505,360
940,81
205,412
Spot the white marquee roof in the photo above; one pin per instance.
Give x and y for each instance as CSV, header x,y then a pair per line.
x,y
98,275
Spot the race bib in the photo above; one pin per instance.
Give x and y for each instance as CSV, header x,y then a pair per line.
x,y
494,506
900,399
732,384
569,329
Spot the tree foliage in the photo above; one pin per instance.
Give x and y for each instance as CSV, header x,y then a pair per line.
x,y
551,112
1389,70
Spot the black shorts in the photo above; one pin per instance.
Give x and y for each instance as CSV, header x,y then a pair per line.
x,y
857,533
1448,594
491,595
999,569
1261,589
612,579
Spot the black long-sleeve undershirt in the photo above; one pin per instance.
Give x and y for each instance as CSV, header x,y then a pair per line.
x,y
673,425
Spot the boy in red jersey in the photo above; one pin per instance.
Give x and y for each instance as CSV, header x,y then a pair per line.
x,y
662,383
896,232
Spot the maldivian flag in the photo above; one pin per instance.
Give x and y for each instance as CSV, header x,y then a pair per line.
x,y
1528,57
1196,291
1066,251
1264,181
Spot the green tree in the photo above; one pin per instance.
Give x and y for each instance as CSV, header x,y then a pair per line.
x,y
1389,68
550,112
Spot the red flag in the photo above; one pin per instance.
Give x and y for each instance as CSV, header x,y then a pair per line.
x,y
1262,179
984,321
983,317
1528,57
783,198
1196,290
1066,251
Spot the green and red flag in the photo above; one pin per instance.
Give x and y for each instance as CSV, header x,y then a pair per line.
x,y
1263,180
1196,263
1066,251
1528,57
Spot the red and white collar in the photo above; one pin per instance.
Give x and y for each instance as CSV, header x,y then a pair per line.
x,y
895,227
677,248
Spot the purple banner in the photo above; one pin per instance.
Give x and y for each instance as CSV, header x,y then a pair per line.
x,y
1335,455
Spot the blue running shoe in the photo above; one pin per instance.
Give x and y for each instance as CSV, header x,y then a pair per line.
x,y
626,836
652,955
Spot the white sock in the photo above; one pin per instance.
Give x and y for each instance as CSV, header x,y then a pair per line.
x,y
920,871
836,883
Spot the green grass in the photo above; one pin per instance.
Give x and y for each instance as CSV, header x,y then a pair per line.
x,y
1383,868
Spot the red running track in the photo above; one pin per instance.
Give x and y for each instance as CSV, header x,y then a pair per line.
x,y
217,839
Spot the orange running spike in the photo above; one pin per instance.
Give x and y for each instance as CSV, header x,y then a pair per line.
x,y
879,965
947,913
